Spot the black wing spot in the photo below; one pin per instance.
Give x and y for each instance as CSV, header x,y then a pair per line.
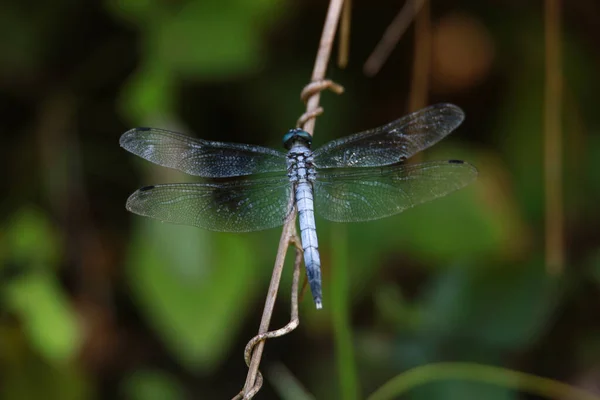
x,y
143,129
456,161
146,188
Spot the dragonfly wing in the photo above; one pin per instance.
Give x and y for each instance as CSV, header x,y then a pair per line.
x,y
238,205
391,143
201,157
364,194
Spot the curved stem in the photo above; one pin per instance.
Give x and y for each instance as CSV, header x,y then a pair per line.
x,y
284,241
323,55
478,373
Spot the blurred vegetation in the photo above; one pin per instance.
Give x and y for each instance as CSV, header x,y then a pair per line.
x,y
98,303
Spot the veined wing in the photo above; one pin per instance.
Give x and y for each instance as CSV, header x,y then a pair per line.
x,y
237,205
393,142
201,157
363,194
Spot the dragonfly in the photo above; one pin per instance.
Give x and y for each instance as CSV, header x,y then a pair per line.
x,y
244,187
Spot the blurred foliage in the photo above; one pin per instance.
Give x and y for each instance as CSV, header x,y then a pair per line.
x,y
194,306
99,303
36,296
149,385
171,32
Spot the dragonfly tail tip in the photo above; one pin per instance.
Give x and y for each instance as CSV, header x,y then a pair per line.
x,y
318,304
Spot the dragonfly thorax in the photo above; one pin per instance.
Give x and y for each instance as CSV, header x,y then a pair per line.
x,y
300,165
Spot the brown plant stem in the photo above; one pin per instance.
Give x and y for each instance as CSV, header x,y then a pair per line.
x,y
553,140
258,340
284,241
287,234
422,60
323,55
344,41
391,37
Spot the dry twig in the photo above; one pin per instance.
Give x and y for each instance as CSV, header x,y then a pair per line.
x,y
392,36
344,41
422,60
553,141
323,55
293,324
312,97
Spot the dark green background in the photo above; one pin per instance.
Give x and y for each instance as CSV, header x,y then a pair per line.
x,y
97,303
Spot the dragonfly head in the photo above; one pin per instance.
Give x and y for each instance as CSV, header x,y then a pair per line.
x,y
296,135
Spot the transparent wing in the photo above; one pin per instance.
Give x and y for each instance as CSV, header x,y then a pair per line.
x,y
391,143
201,157
239,205
364,194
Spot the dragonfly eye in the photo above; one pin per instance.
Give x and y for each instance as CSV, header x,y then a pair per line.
x,y
295,135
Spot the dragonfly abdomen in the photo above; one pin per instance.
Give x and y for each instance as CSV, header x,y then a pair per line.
x,y
310,244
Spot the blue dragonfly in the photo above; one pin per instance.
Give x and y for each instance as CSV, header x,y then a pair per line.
x,y
245,188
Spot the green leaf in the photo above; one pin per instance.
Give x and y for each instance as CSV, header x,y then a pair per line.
x,y
193,286
150,93
30,240
205,42
47,316
194,39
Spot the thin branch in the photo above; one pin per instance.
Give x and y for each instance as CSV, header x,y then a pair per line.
x,y
422,60
284,241
344,42
392,36
553,140
323,54
259,339
310,90
288,236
